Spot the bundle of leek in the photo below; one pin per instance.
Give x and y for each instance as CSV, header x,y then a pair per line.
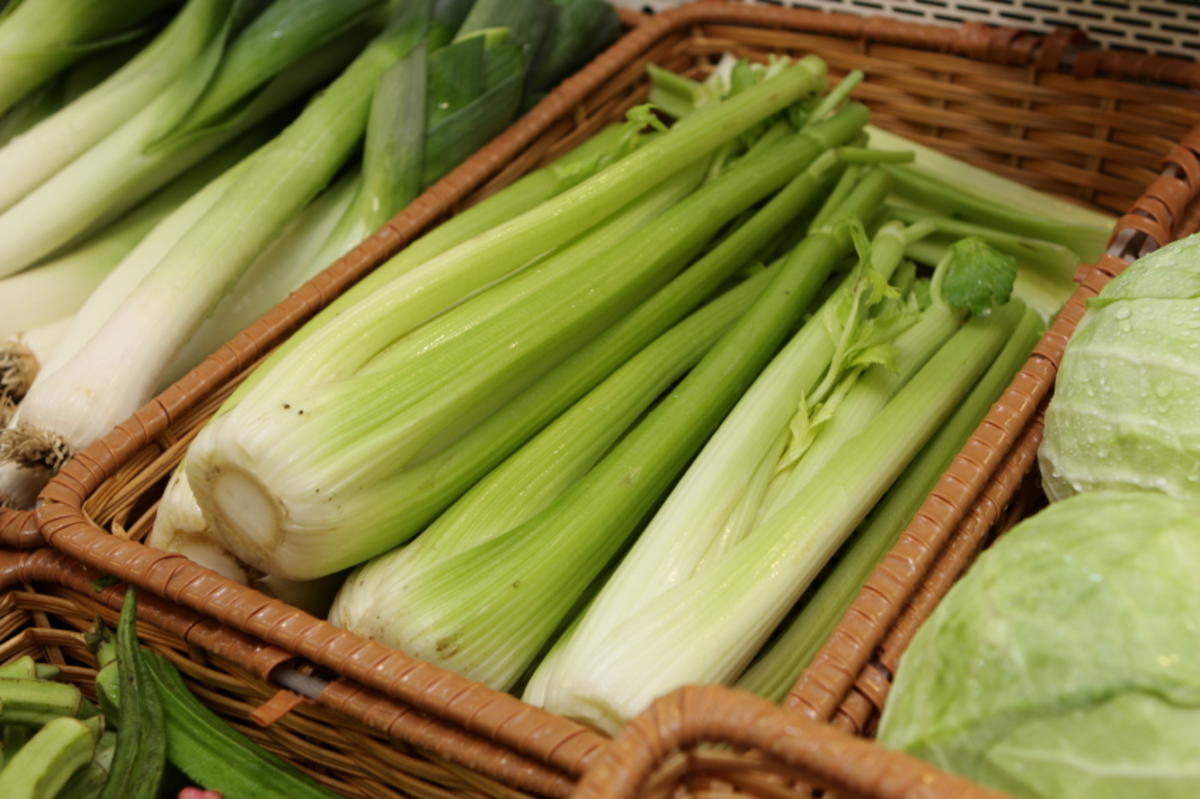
x,y
39,38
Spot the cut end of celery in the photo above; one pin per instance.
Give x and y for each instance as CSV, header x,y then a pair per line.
x,y
243,504
18,368
997,188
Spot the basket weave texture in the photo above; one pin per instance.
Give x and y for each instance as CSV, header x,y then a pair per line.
x,y
998,98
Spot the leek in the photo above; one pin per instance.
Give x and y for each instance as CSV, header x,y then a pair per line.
x,y
162,139
488,610
32,158
22,354
59,287
293,257
707,628
122,366
38,38
51,97
779,667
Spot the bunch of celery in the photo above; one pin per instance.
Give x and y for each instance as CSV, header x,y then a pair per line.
x,y
431,88
319,461
510,576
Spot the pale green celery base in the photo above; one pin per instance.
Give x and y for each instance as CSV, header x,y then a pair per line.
x,y
743,600
547,466
685,529
238,493
780,667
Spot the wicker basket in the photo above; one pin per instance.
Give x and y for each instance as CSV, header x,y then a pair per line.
x,y
995,97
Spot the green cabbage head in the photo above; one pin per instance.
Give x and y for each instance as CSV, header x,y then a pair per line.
x,y
1066,663
1126,406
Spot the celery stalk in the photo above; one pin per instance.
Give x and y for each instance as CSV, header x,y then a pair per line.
x,y
864,398
486,612
543,469
1086,241
399,410
431,485
719,495
178,511
778,668
708,628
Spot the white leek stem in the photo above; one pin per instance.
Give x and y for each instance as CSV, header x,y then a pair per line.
x,y
112,295
292,259
30,159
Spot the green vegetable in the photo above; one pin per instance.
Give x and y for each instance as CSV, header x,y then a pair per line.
x,y
777,669
707,627
379,410
34,701
946,194
214,754
78,403
488,610
137,766
21,668
1126,407
542,470
118,153
180,525
88,782
40,37
43,765
1065,663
